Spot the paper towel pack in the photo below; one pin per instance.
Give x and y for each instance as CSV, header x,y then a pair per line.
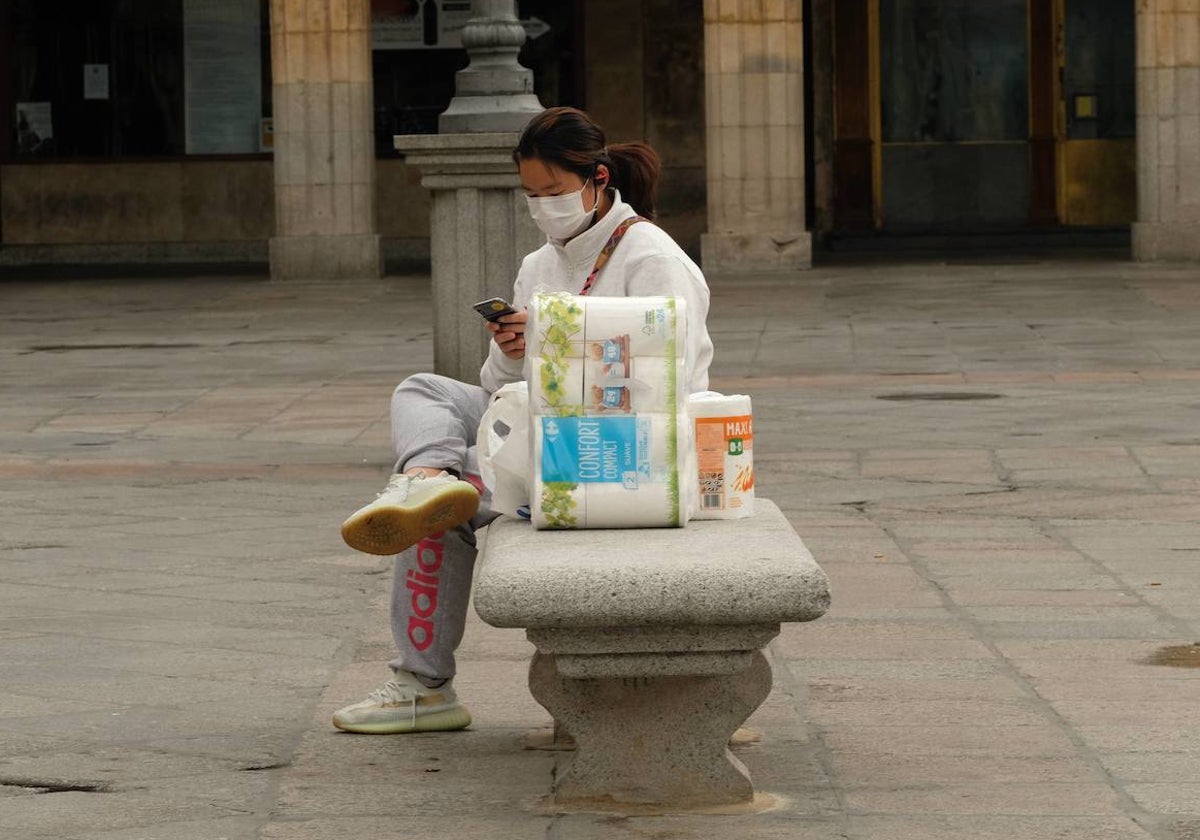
x,y
724,438
611,440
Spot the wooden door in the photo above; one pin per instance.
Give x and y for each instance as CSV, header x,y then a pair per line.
x,y
955,115
1096,112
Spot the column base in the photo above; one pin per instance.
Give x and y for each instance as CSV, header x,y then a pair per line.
x,y
1166,241
341,257
651,740
756,251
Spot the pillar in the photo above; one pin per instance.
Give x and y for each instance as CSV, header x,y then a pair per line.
x,y
1168,131
754,97
480,229
324,140
493,93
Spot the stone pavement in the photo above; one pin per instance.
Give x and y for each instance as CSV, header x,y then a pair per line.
x,y
996,461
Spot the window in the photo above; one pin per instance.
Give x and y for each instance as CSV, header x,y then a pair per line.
x,y
137,78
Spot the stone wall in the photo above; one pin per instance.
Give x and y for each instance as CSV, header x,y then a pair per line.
x,y
177,201
1168,129
645,81
89,203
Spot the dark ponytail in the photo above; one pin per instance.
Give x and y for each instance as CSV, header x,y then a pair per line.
x,y
570,139
635,168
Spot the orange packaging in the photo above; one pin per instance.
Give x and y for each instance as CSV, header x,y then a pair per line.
x,y
725,457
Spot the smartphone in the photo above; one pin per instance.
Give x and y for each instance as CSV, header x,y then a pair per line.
x,y
493,309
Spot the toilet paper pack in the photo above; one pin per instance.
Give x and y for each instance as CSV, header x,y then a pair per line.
x,y
610,436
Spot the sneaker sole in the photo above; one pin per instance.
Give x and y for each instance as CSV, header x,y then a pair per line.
x,y
390,530
447,721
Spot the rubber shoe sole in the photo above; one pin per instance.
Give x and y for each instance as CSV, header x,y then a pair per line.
x,y
390,529
447,721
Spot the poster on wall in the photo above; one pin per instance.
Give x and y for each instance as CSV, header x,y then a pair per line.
x,y
35,127
95,81
222,76
418,24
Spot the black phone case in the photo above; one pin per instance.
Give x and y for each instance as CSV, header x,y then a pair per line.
x,y
493,309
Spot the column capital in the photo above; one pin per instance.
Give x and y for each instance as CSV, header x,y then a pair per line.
x,y
480,230
493,93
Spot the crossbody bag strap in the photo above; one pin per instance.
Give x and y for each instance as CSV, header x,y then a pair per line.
x,y
607,251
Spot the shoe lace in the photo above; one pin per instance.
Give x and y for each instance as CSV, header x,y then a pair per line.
x,y
393,692
398,483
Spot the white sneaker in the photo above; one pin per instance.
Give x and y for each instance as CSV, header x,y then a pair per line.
x,y
408,510
404,704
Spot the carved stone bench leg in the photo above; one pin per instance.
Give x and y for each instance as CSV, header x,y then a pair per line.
x,y
655,740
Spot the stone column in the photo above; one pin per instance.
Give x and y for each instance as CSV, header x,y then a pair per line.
x,y
493,92
324,140
754,89
480,229
1168,131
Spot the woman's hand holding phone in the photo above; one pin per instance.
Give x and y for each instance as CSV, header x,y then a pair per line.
x,y
508,332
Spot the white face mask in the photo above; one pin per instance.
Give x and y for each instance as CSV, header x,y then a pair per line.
x,y
562,216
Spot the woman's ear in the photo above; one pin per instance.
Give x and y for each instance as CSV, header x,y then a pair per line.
x,y
602,176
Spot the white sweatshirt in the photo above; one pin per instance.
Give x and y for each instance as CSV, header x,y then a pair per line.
x,y
646,262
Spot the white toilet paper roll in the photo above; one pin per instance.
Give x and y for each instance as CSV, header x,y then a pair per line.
x,y
558,506
607,371
544,349
647,326
646,385
582,458
689,495
724,445
557,387
606,387
650,506
553,504
659,448
655,380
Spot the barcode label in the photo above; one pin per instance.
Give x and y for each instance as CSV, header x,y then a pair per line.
x,y
712,490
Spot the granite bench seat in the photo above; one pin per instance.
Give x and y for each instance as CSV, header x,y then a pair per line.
x,y
649,644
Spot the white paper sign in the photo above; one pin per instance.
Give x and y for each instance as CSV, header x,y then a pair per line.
x,y
222,76
35,127
95,81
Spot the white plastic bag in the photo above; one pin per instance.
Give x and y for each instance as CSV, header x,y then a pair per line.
x,y
503,448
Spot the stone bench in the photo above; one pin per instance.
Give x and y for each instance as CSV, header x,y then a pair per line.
x,y
649,644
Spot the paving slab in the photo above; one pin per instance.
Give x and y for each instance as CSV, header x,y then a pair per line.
x,y
995,463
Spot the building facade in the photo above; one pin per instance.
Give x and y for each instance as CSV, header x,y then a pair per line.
x,y
146,130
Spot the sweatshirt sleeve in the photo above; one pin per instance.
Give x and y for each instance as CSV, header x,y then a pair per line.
x,y
498,370
666,274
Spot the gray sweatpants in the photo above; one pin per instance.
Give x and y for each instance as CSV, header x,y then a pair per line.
x,y
434,423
